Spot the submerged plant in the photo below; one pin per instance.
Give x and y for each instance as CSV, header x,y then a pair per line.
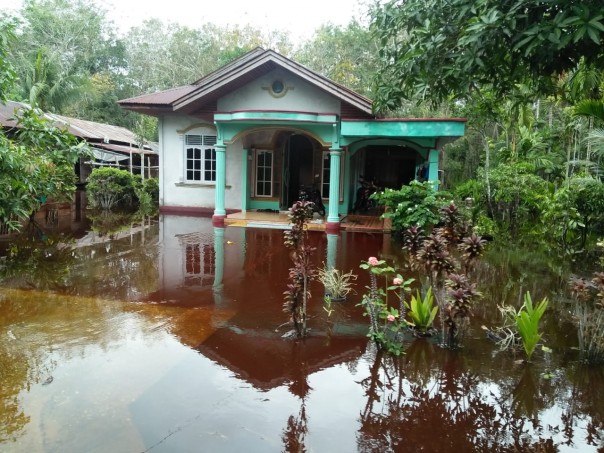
x,y
385,321
302,272
337,283
527,321
589,316
422,311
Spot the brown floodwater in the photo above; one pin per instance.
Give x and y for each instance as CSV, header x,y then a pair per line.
x,y
167,336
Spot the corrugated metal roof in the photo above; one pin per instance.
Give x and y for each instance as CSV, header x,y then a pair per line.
x,y
88,130
7,113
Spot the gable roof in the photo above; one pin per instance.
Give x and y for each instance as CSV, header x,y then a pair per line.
x,y
244,69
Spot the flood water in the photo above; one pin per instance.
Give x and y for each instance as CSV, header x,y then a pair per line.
x,y
167,337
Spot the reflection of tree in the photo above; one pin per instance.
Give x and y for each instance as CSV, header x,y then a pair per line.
x,y
587,388
40,330
441,408
34,262
297,427
295,433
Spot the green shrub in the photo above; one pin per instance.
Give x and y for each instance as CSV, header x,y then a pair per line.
x,y
111,188
415,204
151,187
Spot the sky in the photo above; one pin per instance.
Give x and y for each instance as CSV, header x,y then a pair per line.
x,y
299,17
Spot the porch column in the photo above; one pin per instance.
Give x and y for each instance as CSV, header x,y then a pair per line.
x,y
245,184
219,211
333,219
433,167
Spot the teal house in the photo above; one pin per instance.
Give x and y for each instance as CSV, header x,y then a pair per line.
x,y
252,134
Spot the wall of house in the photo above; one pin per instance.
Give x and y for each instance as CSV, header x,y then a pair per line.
x,y
174,191
300,96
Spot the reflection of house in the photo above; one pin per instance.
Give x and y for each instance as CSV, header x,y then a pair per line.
x,y
253,133
112,146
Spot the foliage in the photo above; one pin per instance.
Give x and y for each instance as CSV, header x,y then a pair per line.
x,y
417,203
589,316
302,272
385,321
151,187
7,71
337,283
516,196
37,164
437,49
163,56
461,295
347,55
422,311
447,257
109,188
527,322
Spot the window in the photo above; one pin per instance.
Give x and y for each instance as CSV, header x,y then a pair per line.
x,y
264,173
200,158
326,175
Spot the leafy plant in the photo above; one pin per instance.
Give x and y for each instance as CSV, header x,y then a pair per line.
x,y
416,204
302,272
422,311
527,321
337,283
385,321
589,316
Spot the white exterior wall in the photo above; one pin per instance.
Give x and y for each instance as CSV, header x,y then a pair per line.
x,y
173,189
174,192
300,97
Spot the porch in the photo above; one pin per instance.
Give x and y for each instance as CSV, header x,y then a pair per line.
x,y
280,220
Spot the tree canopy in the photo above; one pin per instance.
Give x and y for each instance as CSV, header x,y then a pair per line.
x,y
437,49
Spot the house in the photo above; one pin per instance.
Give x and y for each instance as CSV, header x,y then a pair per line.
x,y
112,146
253,133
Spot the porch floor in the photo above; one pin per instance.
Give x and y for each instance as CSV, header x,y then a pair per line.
x,y
280,220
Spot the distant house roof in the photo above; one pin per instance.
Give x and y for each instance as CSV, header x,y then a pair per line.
x,y
207,90
100,134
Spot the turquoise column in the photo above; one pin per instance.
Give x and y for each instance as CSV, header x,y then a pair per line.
x,y
245,184
433,167
334,186
219,211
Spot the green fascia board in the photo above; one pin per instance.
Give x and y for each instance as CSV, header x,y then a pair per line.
x,y
263,116
320,125
404,128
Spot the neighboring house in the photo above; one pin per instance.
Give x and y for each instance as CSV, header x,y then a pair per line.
x,y
253,133
113,146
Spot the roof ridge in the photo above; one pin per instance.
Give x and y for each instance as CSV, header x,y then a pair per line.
x,y
237,61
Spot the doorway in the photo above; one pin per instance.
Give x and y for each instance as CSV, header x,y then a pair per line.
x,y
297,168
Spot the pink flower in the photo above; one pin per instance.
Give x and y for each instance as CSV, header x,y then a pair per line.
x,y
397,281
390,318
373,261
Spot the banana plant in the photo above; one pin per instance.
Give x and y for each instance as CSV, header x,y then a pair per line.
x,y
527,321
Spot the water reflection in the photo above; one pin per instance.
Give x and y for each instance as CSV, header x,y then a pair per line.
x,y
163,336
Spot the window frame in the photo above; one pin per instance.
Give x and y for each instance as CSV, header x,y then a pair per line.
x,y
207,164
257,153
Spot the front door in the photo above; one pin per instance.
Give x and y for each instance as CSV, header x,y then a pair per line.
x,y
297,168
